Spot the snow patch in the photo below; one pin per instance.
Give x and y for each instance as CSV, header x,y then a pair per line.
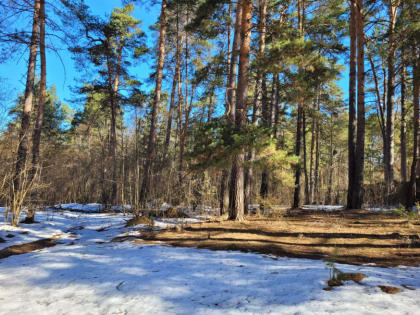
x,y
327,208
88,274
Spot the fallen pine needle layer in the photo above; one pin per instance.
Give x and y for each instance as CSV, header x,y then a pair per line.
x,y
351,237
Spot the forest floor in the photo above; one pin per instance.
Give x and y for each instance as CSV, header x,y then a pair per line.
x,y
92,263
352,237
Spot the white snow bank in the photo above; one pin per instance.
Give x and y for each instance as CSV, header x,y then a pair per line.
x,y
90,207
381,209
323,207
165,207
121,208
329,208
164,223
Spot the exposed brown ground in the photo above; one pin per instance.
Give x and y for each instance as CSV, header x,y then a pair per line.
x,y
26,248
359,237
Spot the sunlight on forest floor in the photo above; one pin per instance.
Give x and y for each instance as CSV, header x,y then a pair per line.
x,y
66,263
358,237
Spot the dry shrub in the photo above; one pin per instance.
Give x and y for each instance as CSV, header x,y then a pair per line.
x,y
173,212
140,220
270,207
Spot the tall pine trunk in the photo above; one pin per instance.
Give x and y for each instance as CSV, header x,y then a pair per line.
x,y
236,196
187,110
21,175
403,137
300,104
352,107
414,173
298,144
317,160
113,86
36,136
360,139
150,154
312,151
230,102
389,130
305,164
249,171
175,82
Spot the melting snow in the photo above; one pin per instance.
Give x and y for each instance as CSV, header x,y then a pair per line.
x,y
87,274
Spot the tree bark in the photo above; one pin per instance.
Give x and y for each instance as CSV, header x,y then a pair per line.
x,y
380,110
403,137
236,197
352,107
265,121
259,90
330,163
298,144
184,131
414,173
389,157
311,158
155,109
113,86
276,129
36,136
230,102
27,106
175,82
184,128
317,157
298,172
305,164
360,145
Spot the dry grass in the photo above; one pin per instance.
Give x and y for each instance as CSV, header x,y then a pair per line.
x,y
360,237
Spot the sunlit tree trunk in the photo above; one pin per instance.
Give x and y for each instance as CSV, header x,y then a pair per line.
x,y
260,104
236,196
230,100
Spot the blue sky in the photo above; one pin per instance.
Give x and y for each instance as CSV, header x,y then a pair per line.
x,y
60,69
